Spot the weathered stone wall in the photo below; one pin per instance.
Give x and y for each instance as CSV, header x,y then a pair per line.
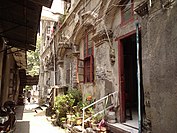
x,y
159,49
103,69
7,65
67,66
106,78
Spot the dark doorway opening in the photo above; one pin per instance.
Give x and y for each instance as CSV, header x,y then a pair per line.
x,y
130,84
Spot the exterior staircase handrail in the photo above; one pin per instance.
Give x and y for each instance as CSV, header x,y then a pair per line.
x,y
101,99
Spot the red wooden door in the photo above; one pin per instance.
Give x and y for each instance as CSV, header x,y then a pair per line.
x,y
121,81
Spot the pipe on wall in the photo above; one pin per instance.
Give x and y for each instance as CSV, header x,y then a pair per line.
x,y
150,3
138,77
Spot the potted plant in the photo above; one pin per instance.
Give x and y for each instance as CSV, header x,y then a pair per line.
x,y
63,120
73,120
78,118
95,121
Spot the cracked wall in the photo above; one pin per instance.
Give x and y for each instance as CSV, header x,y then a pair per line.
x,y
159,36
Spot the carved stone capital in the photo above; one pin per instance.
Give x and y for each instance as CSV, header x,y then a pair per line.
x,y
101,37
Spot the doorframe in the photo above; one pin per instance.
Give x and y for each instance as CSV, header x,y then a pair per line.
x,y
120,68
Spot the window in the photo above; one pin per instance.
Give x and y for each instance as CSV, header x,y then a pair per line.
x,y
127,11
88,69
68,73
86,66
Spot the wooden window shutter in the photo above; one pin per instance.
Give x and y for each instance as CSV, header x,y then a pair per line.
x,y
91,68
80,70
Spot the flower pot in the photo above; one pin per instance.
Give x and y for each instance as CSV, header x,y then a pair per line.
x,y
78,121
87,124
94,126
89,98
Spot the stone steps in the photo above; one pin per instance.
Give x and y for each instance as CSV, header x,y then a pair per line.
x,y
121,128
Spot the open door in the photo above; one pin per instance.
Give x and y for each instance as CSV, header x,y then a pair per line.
x,y
128,80
121,82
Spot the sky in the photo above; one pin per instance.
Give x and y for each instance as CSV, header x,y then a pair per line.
x,y
57,7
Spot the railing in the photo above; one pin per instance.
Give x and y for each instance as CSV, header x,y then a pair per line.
x,y
98,101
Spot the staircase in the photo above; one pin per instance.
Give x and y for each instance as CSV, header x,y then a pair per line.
x,y
113,128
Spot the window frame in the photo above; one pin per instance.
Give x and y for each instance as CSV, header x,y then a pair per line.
x,y
88,74
131,19
88,58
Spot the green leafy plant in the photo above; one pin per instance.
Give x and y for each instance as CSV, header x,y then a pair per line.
x,y
68,104
76,94
33,61
64,103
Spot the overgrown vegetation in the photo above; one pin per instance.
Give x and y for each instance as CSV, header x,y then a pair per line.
x,y
71,103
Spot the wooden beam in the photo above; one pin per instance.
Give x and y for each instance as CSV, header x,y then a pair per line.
x,y
46,3
22,45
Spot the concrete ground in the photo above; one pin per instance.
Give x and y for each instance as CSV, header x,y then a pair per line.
x,y
28,121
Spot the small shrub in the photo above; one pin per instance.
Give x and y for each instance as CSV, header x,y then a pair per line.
x,y
67,104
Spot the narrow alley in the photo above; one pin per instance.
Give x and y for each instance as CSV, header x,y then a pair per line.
x,y
28,121
89,66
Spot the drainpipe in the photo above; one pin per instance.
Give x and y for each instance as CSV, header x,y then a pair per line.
x,y
54,67
71,79
54,64
138,75
150,3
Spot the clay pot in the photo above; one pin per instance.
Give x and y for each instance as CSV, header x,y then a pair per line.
x,y
89,98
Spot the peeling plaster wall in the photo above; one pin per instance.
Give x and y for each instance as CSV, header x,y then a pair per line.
x,y
104,72
106,78
159,32
6,77
18,86
8,83
103,69
9,63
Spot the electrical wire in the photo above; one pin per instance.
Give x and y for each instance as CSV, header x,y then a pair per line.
x,y
93,10
108,10
97,7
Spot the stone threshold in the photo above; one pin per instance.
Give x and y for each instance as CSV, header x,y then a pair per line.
x,y
121,128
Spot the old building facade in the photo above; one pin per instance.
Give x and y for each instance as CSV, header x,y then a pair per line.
x,y
12,70
46,58
95,50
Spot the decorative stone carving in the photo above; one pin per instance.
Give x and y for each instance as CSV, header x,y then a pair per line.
x,y
101,36
112,56
75,51
63,44
142,9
